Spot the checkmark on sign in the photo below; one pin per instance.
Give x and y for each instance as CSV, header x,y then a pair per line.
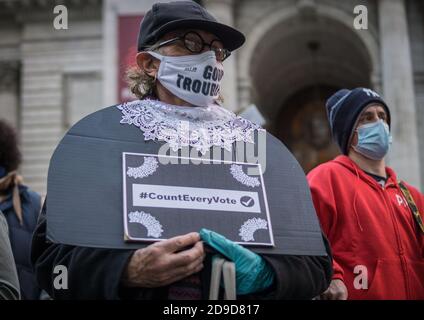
x,y
247,201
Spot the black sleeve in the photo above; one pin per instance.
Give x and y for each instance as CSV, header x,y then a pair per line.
x,y
9,283
298,277
92,273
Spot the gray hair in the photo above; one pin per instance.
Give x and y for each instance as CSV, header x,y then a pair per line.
x,y
140,83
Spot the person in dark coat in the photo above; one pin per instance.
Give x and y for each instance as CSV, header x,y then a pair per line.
x,y
181,36
21,207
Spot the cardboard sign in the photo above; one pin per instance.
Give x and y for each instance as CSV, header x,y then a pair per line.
x,y
85,186
163,200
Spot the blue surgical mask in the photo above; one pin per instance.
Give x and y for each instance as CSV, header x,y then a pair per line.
x,y
374,140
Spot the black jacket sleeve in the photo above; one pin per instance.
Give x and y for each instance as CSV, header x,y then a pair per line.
x,y
300,277
297,277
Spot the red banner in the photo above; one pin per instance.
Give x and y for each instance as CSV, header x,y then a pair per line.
x,y
128,27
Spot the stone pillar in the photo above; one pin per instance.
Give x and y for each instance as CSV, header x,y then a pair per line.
x,y
9,91
110,52
398,89
223,11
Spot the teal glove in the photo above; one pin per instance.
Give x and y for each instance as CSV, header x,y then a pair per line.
x,y
253,274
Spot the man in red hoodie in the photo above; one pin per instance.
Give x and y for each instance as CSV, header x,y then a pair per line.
x,y
376,234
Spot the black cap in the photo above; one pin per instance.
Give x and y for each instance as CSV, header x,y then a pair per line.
x,y
343,110
166,17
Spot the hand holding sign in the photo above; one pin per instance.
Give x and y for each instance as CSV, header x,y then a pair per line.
x,y
253,274
165,262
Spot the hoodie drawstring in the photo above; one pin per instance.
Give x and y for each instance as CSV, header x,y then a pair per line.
x,y
354,200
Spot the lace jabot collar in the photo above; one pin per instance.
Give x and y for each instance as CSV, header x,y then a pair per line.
x,y
198,127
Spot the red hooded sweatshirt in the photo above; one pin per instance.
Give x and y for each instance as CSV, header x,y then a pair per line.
x,y
378,248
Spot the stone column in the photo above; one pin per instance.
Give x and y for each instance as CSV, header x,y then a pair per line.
x,y
9,99
223,11
398,89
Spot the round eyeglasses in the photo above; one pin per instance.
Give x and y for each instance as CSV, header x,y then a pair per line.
x,y
194,43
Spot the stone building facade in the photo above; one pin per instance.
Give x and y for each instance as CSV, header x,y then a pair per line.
x,y
297,53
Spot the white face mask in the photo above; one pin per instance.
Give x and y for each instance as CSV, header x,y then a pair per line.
x,y
194,78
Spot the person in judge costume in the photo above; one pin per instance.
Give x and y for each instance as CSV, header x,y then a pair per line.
x,y
171,36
